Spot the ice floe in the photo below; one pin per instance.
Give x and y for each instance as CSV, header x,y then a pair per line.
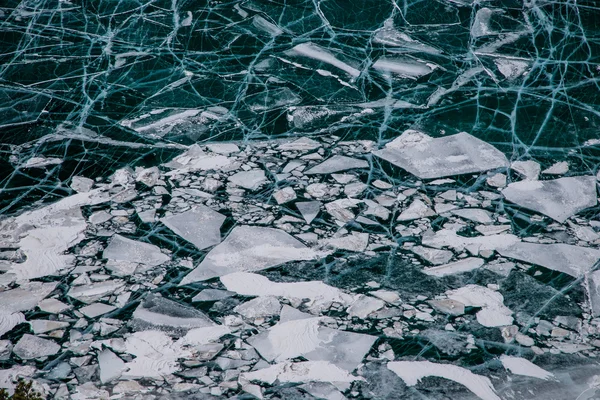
x,y
200,226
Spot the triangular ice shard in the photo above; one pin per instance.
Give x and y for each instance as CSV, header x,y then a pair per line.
x,y
200,226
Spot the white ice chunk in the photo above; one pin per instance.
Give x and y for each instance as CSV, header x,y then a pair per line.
x,y
320,295
43,325
431,158
30,347
337,163
365,305
318,53
416,210
475,215
200,226
448,238
223,148
559,168
389,36
121,248
568,259
259,307
521,366
302,144
405,67
309,209
529,169
156,355
511,68
194,159
90,293
299,372
250,180
41,162
434,256
493,311
96,309
464,265
23,298
353,242
81,184
250,248
111,366
559,199
412,372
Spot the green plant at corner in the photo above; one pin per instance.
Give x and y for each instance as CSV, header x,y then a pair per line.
x,y
23,391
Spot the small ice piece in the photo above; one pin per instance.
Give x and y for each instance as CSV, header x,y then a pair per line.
x,y
416,210
559,168
565,258
493,311
96,309
156,312
411,372
309,209
433,256
30,347
475,214
405,67
250,180
365,305
111,366
223,148
129,251
200,226
302,372
530,170
259,307
250,248
41,162
308,339
319,294
558,199
464,265
302,144
284,195
81,184
448,238
432,158
510,68
194,159
521,366
212,295
337,163
353,242
43,325
91,293
497,180
318,53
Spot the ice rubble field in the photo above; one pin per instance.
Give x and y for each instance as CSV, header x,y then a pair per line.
x,y
297,200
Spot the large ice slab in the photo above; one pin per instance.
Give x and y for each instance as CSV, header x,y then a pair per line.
x,y
200,226
558,198
569,259
412,372
249,248
128,250
430,158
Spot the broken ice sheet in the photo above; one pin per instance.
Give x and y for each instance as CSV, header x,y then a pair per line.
x,y
250,248
200,226
429,158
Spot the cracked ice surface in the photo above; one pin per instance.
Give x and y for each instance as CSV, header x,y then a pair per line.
x,y
281,200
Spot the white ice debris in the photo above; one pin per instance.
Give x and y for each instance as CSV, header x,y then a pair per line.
x,y
320,295
111,366
318,53
354,242
365,305
521,366
412,372
128,250
200,226
45,234
284,195
431,158
259,307
309,209
194,159
448,238
91,293
511,68
302,144
251,180
474,214
41,162
298,372
30,347
433,256
404,67
493,311
530,170
416,210
559,168
250,248
457,267
569,259
23,298
559,199
337,163
81,184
